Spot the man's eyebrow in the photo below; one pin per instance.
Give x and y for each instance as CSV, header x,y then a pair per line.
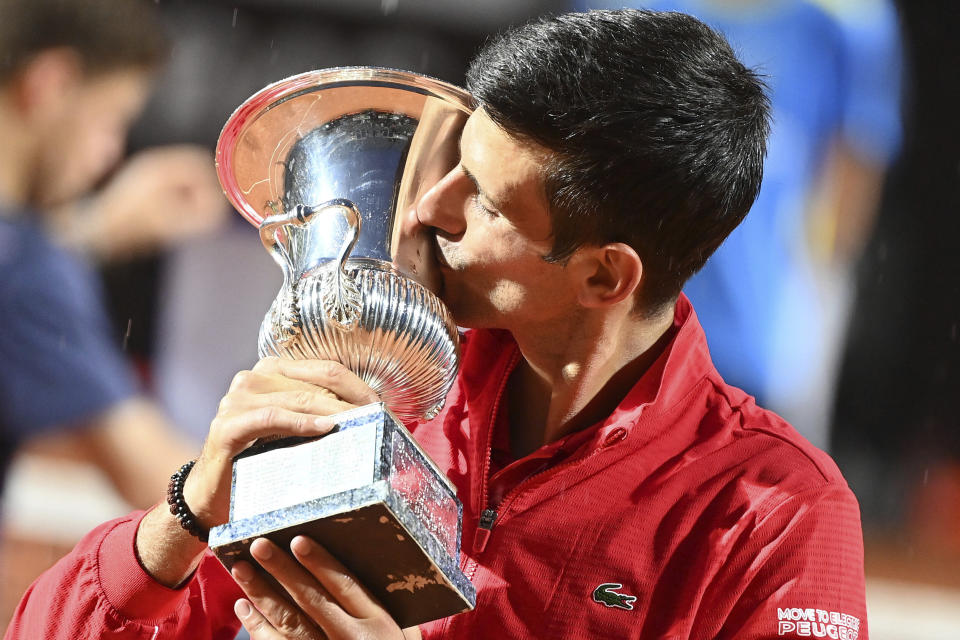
x,y
472,177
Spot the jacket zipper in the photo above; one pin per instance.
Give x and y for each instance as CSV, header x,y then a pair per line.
x,y
489,516
487,520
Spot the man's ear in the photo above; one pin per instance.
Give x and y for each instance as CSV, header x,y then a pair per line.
x,y
43,85
606,275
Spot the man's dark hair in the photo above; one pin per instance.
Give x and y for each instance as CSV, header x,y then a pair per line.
x,y
658,133
107,35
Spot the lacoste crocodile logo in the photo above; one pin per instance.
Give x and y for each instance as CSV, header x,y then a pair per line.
x,y
605,595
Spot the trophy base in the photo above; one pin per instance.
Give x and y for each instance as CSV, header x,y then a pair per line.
x,y
368,494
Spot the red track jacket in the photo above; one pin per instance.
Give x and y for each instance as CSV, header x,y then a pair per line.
x,y
688,513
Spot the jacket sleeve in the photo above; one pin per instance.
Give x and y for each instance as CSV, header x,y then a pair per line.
x,y
99,590
803,572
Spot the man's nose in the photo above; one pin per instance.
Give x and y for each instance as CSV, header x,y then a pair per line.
x,y
442,207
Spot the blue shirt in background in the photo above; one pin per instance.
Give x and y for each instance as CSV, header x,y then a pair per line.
x,y
60,360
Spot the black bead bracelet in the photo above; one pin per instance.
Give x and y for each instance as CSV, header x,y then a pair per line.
x,y
178,505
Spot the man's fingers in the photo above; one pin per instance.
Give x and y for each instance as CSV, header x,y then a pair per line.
x,y
335,578
238,431
244,417
310,401
306,591
261,382
253,621
274,616
323,373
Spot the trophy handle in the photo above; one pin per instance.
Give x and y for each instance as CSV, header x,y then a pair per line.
x,y
341,300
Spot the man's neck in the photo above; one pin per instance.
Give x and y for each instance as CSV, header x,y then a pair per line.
x,y
570,378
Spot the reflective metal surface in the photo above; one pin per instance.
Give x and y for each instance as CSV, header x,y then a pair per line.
x,y
404,344
330,165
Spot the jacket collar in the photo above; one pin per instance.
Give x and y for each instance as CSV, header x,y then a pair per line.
x,y
684,362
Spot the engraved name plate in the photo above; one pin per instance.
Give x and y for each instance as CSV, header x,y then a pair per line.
x,y
288,476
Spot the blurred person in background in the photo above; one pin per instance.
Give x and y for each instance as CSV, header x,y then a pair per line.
x,y
73,76
775,299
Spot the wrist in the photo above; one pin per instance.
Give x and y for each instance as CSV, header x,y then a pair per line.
x,y
207,492
179,507
133,594
165,551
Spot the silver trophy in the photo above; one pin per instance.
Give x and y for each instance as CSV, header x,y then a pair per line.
x,y
330,165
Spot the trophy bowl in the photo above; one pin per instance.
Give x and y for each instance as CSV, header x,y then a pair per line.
x,y
330,165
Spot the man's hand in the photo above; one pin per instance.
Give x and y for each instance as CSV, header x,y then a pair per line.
x,y
277,398
330,602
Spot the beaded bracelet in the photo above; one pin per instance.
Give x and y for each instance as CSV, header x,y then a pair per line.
x,y
178,506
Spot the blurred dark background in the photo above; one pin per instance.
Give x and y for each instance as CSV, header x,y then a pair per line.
x,y
897,420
